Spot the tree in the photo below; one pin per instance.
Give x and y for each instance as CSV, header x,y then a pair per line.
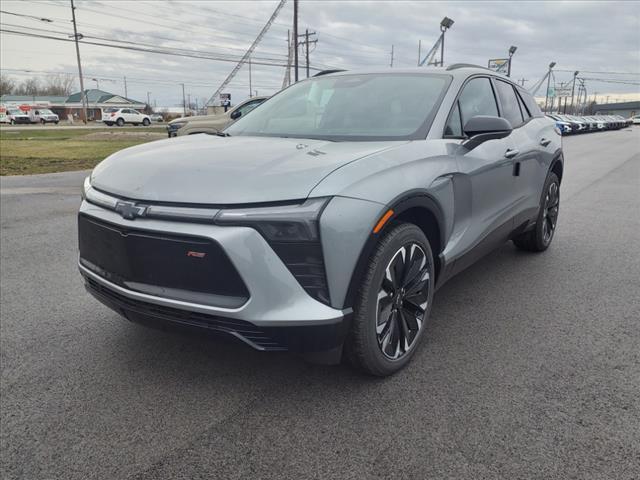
x,y
7,85
30,86
60,84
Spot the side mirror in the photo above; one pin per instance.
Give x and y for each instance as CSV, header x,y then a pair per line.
x,y
481,128
236,114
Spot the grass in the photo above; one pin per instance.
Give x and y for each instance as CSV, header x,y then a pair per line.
x,y
24,152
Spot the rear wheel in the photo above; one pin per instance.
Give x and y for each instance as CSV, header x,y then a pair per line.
x,y
146,122
394,302
539,239
120,122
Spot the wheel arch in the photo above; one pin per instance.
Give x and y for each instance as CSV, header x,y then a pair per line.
x,y
557,165
417,207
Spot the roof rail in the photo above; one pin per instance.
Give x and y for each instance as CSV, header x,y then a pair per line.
x,y
327,72
456,66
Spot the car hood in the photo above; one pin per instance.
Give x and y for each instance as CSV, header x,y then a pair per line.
x,y
206,169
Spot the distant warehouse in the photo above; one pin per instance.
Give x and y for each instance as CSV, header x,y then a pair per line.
x,y
97,100
626,109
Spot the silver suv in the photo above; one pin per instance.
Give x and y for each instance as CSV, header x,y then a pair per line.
x,y
324,222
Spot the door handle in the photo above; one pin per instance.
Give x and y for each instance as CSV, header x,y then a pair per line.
x,y
511,153
544,142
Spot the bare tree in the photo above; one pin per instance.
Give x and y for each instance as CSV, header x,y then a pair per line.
x,y
59,84
7,84
30,86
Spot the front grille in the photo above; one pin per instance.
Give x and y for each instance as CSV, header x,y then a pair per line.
x,y
179,267
246,330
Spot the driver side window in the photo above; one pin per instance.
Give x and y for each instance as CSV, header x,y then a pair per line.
x,y
477,98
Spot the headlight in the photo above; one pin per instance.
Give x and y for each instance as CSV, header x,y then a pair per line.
x,y
176,126
284,223
293,233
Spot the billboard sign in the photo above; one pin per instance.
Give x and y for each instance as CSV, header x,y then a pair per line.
x,y
499,65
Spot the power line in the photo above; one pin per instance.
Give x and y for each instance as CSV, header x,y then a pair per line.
x,y
213,57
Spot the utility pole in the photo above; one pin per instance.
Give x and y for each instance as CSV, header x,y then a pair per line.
x,y
189,102
184,103
306,43
126,95
76,37
522,80
391,64
197,109
573,89
295,37
249,77
419,51
148,99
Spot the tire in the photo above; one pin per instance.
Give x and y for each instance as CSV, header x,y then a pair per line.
x,y
57,122
109,124
374,345
43,122
120,122
539,239
146,122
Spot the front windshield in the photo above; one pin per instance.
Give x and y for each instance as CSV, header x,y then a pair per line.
x,y
349,107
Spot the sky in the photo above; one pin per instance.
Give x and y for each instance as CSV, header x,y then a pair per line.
x,y
599,39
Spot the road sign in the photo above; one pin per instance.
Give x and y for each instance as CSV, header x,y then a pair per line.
x,y
499,64
563,92
551,92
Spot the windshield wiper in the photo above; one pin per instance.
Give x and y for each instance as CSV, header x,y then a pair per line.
x,y
223,134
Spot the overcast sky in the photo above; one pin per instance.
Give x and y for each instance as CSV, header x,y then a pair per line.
x,y
600,39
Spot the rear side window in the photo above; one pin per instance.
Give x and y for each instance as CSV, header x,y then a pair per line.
x,y
477,99
509,103
523,108
531,104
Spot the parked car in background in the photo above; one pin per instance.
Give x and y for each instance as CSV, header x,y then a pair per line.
x,y
211,123
324,220
15,115
564,127
121,116
156,117
43,116
635,120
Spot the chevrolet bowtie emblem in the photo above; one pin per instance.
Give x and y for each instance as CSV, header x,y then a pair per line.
x,y
130,210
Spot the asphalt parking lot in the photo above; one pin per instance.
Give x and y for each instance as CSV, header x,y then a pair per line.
x,y
531,368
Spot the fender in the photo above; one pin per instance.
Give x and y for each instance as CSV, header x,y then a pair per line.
x,y
410,199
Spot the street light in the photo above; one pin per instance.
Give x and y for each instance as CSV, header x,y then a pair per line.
x,y
573,89
512,50
97,80
445,24
546,97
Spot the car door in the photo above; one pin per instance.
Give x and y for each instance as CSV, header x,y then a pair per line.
x,y
527,155
484,187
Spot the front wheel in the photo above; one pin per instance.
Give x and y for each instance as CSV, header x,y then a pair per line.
x,y
120,122
146,122
43,122
393,303
539,239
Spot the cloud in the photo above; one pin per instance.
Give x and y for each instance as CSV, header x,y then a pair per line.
x,y
586,36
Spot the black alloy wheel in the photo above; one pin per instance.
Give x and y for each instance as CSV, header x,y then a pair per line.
x,y
393,302
402,301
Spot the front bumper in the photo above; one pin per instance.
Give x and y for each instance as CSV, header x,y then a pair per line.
x,y
277,315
